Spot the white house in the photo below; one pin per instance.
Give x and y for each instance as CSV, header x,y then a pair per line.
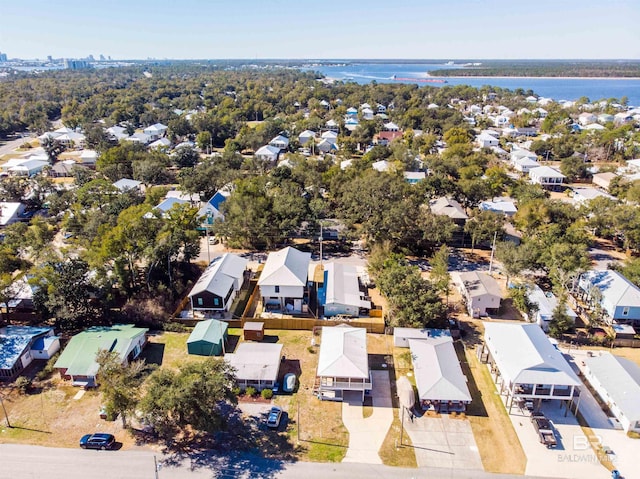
x,y
504,206
141,138
327,146
381,166
117,132
524,165
160,143
586,118
402,336
367,113
391,126
546,303
10,212
155,131
124,184
88,157
525,365
618,297
583,195
30,167
330,135
268,153
547,177
306,136
212,209
257,364
486,141
341,292
481,293
448,207
441,384
283,280
617,382
522,153
280,141
603,180
216,289
343,363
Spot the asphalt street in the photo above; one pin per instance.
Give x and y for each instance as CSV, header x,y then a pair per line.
x,y
31,462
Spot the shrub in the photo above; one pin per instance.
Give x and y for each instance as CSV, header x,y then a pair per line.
x,y
48,369
236,391
23,384
311,350
251,391
267,393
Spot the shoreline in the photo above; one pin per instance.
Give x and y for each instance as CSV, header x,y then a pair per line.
x,y
519,77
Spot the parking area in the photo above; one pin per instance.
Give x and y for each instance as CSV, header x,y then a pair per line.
x,y
443,442
624,449
573,457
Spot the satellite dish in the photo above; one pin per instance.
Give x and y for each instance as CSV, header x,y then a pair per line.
x,y
406,395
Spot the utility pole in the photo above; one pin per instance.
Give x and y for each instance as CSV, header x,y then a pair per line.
x,y
6,416
493,248
321,236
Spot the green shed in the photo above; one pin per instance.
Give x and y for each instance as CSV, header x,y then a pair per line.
x,y
207,338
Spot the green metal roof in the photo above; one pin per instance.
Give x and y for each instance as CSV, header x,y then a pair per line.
x,y
79,357
210,330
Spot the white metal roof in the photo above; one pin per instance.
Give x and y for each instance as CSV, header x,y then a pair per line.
x,y
621,379
343,352
615,288
479,284
547,302
449,207
256,361
219,276
437,370
287,267
546,172
524,355
342,285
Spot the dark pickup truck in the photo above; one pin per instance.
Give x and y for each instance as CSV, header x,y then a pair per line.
x,y
544,429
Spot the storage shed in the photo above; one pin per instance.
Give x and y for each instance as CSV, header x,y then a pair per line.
x,y
253,331
207,338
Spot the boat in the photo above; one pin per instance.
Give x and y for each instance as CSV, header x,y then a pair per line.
x,y
419,80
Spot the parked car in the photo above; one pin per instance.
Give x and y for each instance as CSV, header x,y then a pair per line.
x,y
274,417
98,440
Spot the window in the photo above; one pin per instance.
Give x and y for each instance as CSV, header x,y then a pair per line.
x,y
216,301
200,303
277,289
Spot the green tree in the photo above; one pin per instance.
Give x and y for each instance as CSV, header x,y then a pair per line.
x,y
52,148
439,275
483,225
561,322
194,396
119,383
185,157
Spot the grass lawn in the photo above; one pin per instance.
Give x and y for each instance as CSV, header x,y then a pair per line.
x,y
317,424
497,441
52,417
390,453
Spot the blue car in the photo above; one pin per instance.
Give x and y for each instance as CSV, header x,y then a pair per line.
x,y
97,441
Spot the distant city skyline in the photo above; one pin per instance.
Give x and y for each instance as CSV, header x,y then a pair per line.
x,y
375,29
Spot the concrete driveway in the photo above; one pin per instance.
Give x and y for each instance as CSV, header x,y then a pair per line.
x,y
443,442
366,435
571,458
625,448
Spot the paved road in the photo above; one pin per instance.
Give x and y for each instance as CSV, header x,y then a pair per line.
x,y
9,146
35,462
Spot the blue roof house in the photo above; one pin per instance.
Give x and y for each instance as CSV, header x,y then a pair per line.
x,y
618,297
212,209
20,345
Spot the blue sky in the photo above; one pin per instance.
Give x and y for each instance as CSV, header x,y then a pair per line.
x,y
444,29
